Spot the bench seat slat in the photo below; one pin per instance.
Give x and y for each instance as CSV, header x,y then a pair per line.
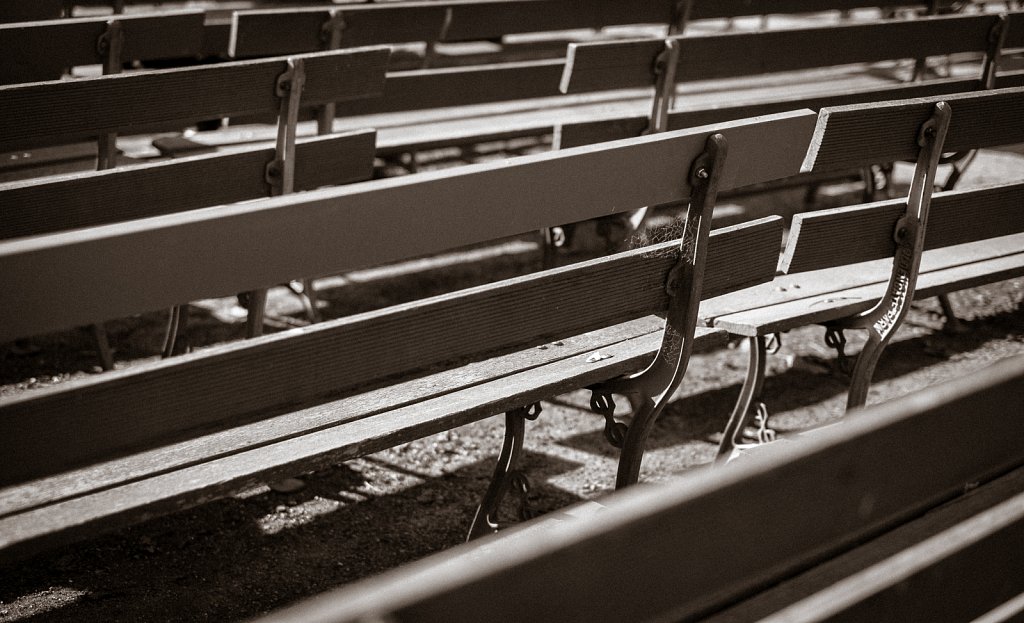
x,y
234,382
88,199
963,556
180,488
338,229
942,271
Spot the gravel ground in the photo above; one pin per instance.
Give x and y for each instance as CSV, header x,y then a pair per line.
x,y
260,550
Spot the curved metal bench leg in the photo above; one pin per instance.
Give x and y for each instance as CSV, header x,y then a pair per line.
x,y
106,356
177,323
953,323
749,394
864,369
506,477
257,312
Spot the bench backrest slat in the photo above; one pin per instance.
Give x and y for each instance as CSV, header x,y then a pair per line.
x,y
289,371
31,11
688,546
63,111
710,9
841,236
37,51
83,200
301,236
273,32
589,132
630,64
852,136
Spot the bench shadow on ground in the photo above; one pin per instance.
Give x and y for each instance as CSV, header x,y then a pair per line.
x,y
703,415
224,560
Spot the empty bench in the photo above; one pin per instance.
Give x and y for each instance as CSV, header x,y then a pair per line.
x,y
206,424
812,531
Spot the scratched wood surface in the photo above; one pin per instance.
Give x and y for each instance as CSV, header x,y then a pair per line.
x,y
685,549
631,63
54,204
37,113
286,372
957,562
43,50
859,135
332,230
831,238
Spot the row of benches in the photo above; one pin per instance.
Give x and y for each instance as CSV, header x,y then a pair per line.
x,y
103,452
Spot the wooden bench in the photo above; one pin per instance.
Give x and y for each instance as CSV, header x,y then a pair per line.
x,y
205,424
833,272
810,531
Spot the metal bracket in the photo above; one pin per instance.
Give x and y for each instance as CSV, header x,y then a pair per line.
x,y
506,476
996,40
280,172
665,66
330,36
650,389
680,17
110,47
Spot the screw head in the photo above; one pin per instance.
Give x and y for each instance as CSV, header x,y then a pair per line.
x,y
702,173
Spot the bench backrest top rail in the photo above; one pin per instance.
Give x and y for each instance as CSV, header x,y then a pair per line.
x,y
849,235
615,128
630,63
329,231
674,537
35,207
41,113
259,378
37,51
852,136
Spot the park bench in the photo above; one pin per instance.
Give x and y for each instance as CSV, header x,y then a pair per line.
x,y
836,269
458,106
36,114
814,530
205,424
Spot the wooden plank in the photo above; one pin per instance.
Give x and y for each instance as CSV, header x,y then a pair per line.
x,y
696,532
41,50
31,11
841,236
930,543
331,358
494,19
710,9
96,198
329,231
36,114
272,32
630,64
947,276
854,136
103,510
615,128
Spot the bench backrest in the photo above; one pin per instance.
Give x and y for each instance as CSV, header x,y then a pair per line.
x,y
43,50
630,64
63,111
298,237
686,549
31,11
35,207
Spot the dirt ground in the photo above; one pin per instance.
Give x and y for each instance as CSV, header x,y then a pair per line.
x,y
261,550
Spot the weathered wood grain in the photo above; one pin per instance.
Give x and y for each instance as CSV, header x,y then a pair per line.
x,y
957,563
286,372
832,238
36,114
54,204
859,135
273,32
41,50
630,64
695,532
329,231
